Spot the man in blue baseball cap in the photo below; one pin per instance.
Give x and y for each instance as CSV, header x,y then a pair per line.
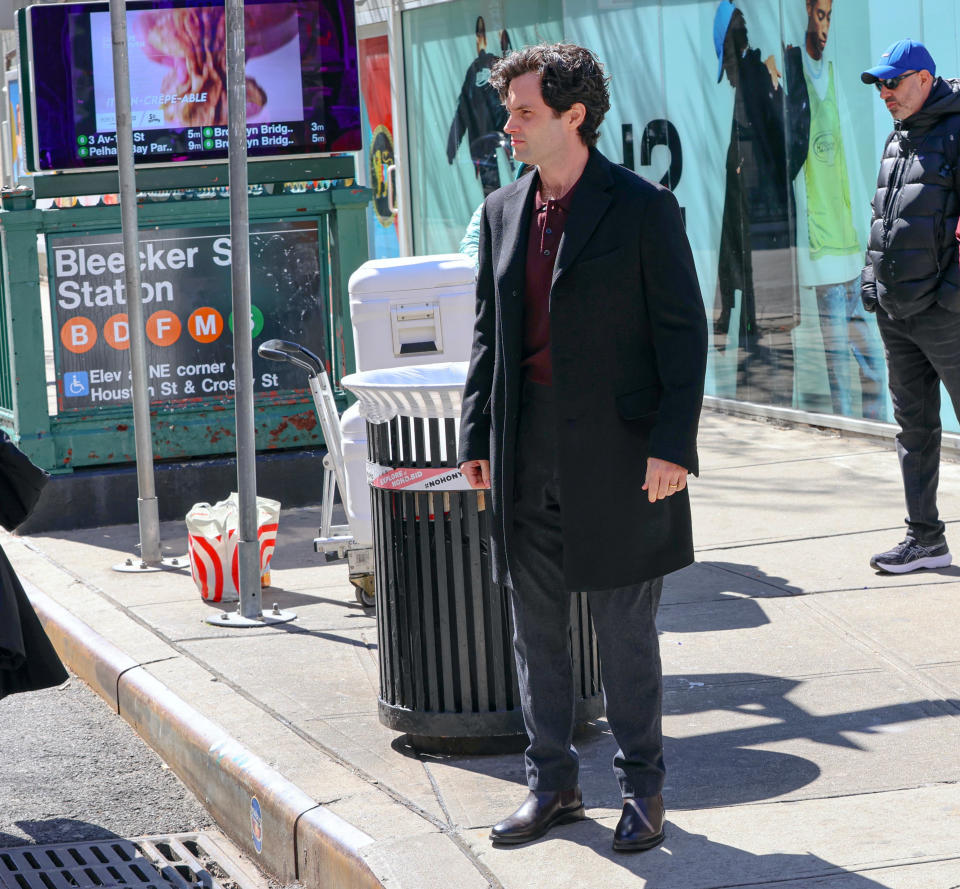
x,y
912,281
899,64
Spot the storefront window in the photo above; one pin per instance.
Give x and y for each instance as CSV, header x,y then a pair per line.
x,y
458,152
754,114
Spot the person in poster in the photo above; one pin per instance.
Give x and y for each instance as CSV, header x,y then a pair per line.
x,y
479,114
584,387
830,242
757,216
912,281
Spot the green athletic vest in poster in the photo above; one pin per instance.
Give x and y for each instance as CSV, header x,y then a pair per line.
x,y
829,218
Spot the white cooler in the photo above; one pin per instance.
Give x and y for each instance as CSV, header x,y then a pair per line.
x,y
413,310
356,499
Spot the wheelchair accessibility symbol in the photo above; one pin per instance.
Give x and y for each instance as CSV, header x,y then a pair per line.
x,y
76,383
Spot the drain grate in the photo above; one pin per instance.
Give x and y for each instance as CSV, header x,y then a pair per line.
x,y
178,861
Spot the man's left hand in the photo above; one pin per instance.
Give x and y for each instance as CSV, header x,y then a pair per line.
x,y
663,479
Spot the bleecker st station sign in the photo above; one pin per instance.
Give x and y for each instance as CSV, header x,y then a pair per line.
x,y
185,290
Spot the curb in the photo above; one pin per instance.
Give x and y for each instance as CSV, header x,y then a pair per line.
x,y
300,840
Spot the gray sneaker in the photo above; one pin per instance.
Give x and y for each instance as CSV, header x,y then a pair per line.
x,y
910,555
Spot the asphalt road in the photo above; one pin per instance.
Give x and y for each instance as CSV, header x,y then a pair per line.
x,y
71,769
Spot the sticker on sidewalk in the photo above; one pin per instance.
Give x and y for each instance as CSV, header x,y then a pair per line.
x,y
256,824
416,478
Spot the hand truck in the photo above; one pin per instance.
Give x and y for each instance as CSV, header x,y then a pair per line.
x,y
335,541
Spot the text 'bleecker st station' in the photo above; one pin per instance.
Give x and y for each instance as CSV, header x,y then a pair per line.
x,y
75,264
185,287
83,281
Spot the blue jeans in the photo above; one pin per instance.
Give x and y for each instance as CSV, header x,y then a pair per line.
x,y
845,329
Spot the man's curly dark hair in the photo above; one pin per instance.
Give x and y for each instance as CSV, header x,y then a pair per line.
x,y
568,74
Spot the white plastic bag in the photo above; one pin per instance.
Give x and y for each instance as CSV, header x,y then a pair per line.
x,y
212,536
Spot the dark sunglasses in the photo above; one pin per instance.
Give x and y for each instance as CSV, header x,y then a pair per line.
x,y
891,83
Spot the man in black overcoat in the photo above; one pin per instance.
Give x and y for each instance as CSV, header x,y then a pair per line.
x,y
580,412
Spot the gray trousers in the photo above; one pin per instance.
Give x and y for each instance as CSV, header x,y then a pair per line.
x,y
624,619
922,351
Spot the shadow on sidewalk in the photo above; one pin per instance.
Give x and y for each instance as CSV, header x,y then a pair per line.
x,y
298,527
696,855
706,769
723,578
693,598
725,767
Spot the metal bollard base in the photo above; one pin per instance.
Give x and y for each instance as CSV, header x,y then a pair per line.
x,y
264,619
136,565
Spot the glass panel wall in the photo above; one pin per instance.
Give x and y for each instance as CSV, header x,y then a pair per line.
x,y
458,152
753,113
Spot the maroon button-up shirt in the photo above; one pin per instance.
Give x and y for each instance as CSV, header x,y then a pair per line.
x,y
546,227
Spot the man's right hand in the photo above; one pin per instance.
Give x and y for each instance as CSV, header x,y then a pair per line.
x,y
476,472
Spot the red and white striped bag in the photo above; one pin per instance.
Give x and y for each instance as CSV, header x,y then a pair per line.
x,y
212,536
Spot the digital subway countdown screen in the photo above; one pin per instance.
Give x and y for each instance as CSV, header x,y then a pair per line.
x,y
301,69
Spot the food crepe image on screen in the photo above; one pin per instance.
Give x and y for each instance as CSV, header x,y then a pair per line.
x,y
178,66
301,80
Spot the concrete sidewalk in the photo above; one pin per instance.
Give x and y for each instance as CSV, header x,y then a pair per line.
x,y
811,710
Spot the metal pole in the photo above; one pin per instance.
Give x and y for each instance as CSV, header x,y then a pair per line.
x,y
147,500
248,548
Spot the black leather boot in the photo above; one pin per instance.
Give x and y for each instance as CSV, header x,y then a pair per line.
x,y
641,824
539,812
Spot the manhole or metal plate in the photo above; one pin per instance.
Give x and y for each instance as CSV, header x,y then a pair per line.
x,y
180,861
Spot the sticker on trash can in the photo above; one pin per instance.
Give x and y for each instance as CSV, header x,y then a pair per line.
x,y
256,824
416,478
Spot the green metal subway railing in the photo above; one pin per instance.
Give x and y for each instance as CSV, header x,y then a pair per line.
x,y
85,432
6,380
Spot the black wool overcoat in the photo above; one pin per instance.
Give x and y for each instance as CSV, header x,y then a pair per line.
x,y
628,344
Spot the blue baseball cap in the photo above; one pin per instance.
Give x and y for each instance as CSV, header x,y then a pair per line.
x,y
903,56
721,22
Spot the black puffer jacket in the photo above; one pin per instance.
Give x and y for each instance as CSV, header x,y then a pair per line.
x,y
912,257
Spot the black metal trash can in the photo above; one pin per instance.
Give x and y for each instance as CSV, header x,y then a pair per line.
x,y
447,671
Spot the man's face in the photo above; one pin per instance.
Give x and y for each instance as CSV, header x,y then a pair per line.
x,y
818,26
908,98
537,133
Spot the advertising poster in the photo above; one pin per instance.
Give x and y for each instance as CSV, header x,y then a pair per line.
x,y
165,49
374,60
15,117
186,293
458,152
754,114
302,89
